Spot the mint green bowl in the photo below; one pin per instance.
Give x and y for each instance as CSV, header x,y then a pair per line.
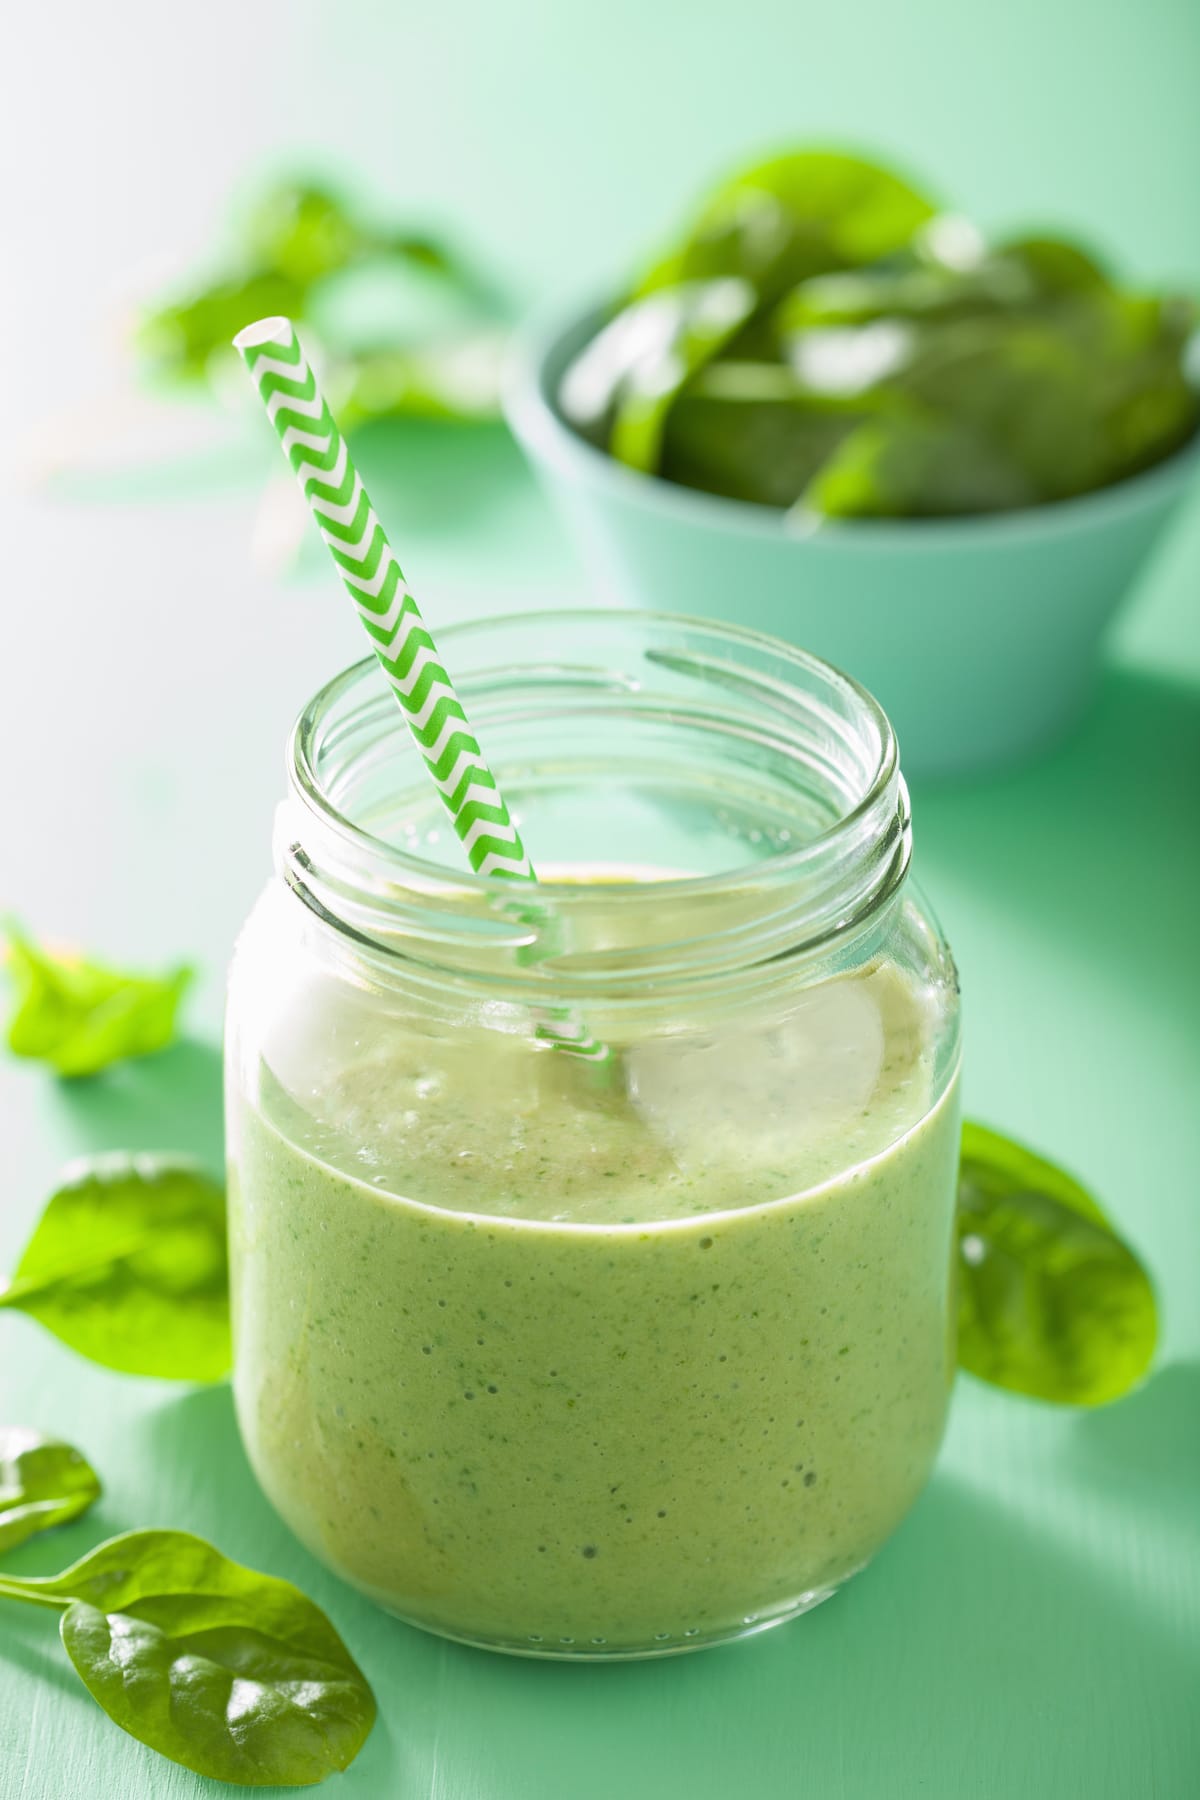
x,y
980,637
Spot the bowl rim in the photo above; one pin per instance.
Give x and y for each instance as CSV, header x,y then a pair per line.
x,y
540,343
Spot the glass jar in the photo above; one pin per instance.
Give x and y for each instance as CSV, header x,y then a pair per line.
x,y
578,1358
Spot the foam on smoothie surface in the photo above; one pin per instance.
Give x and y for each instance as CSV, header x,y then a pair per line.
x,y
749,1113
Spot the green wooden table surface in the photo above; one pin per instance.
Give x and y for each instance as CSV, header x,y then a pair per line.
x,y
1033,1630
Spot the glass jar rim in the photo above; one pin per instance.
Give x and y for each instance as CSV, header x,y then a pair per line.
x,y
825,742
435,877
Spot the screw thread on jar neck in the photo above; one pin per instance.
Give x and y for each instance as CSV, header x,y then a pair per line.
x,y
767,779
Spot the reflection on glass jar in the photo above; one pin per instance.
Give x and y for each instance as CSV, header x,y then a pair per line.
x,y
578,1359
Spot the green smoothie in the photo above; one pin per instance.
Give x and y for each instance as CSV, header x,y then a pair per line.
x,y
555,1365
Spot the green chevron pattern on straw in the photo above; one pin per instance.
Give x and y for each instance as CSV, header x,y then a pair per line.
x,y
407,654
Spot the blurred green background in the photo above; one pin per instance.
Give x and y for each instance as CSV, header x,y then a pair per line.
x,y
563,138
1033,1633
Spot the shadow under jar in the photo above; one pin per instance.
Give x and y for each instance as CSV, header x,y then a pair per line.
x,y
596,1359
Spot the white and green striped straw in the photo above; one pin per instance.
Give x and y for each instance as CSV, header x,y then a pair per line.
x,y
407,654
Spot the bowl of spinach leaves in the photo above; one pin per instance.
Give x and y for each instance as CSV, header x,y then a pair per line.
x,y
835,411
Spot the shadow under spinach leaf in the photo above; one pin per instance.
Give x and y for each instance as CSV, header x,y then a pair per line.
x,y
1145,1449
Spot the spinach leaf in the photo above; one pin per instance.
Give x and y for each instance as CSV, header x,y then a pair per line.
x,y
80,1016
1051,1301
182,338
911,290
754,432
1052,267
128,1266
1077,394
452,378
997,407
795,216
298,238
43,1482
919,285
1021,388
622,386
231,1673
1137,352
303,232
903,467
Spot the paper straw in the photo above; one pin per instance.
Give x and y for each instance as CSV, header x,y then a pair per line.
x,y
407,654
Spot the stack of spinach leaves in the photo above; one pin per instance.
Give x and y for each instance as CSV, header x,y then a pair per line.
x,y
823,338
